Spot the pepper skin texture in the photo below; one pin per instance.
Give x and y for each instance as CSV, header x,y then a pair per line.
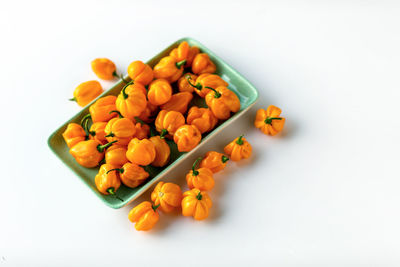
x,y
206,80
86,92
104,68
214,161
202,118
203,64
201,179
160,92
107,182
145,216
196,203
169,68
169,122
181,52
116,155
73,134
121,130
100,110
163,151
140,72
141,152
183,83
238,149
89,153
187,137
131,102
269,120
142,131
149,114
97,132
167,195
178,102
131,174
193,51
222,102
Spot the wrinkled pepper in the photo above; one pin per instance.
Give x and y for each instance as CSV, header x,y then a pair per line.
x,y
202,118
89,153
86,92
167,195
116,155
120,129
96,131
181,52
142,130
214,161
193,52
196,203
140,72
222,102
145,216
201,178
104,68
169,68
131,174
269,120
160,92
163,151
178,102
167,122
238,149
107,182
141,152
203,64
183,83
187,137
100,110
204,81
131,102
149,114
74,134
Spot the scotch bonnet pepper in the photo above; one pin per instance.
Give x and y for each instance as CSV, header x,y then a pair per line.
x,y
163,151
96,131
120,129
160,92
181,52
201,179
131,102
167,122
141,152
131,174
238,149
100,110
193,51
140,72
89,153
104,68
203,64
116,155
204,81
222,102
145,216
178,102
187,137
183,83
86,92
196,203
107,182
202,118
214,161
269,120
169,68
167,195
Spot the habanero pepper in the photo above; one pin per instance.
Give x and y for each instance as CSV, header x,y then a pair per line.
x,y
222,102
238,149
183,82
187,137
269,120
201,178
120,129
149,114
116,155
86,92
74,134
145,216
193,51
107,182
167,122
204,81
131,174
202,118
196,203
163,151
169,68
140,72
141,152
160,92
131,102
178,102
203,64
89,153
181,52
96,131
214,161
104,68
100,110
167,195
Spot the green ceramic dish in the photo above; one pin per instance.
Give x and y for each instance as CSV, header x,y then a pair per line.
x,y
237,83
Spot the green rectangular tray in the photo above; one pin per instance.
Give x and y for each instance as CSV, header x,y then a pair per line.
x,y
246,92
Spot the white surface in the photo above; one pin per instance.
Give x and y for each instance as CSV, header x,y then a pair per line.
x,y
324,193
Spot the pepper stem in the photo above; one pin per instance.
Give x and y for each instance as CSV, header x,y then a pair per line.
x,y
224,158
139,120
269,120
117,169
180,63
124,94
72,99
111,191
101,148
85,125
155,207
199,196
194,171
115,74
198,86
163,133
217,94
110,135
240,141
116,111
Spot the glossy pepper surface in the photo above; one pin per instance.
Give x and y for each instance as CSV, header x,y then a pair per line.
x,y
181,52
104,68
204,81
167,122
203,64
97,132
167,195
86,92
100,110
142,130
202,118
141,152
214,161
74,134
116,155
89,153
145,216
169,68
187,137
183,82
131,102
131,174
160,92
163,151
222,102
201,178
121,130
193,51
149,114
178,102
140,72
269,120
196,203
238,149
107,182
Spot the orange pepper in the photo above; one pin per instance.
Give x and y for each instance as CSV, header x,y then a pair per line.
x,y
202,118
74,134
145,216
187,137
131,174
140,72
183,83
160,92
96,131
149,114
169,68
100,110
116,155
167,195
107,182
86,92
238,149
222,102
269,120
104,68
203,64
181,52
201,179
141,152
89,153
214,161
120,129
204,81
163,151
196,203
131,102
193,51
142,130
168,122
178,102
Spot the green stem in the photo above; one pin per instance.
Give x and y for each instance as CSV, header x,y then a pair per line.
x,y
198,86
85,125
111,191
217,94
102,161
194,171
117,169
101,148
137,119
87,116
115,74
124,94
180,63
153,132
116,111
269,120
163,133
72,99
199,196
224,158
155,207
110,135
240,141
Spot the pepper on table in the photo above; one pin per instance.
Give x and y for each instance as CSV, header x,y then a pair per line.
x,y
141,152
86,92
214,161
140,72
120,129
104,68
202,118
201,178
196,203
131,102
238,149
187,137
222,102
167,122
160,92
269,121
169,68
89,153
178,102
167,195
203,64
204,81
145,216
100,110
131,174
107,182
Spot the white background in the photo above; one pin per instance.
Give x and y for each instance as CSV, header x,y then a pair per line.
x,y
326,192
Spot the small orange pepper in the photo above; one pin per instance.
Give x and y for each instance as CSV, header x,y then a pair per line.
x,y
203,64
187,137
204,81
120,129
116,155
238,149
149,114
100,110
183,83
181,52
160,92
193,51
222,102
96,131
202,118
140,72
74,134
168,122
142,130
269,120
89,153
163,151
145,216
178,102
141,152
167,195
169,68
86,92
196,203
104,68
107,183
201,179
214,161
131,102
131,174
